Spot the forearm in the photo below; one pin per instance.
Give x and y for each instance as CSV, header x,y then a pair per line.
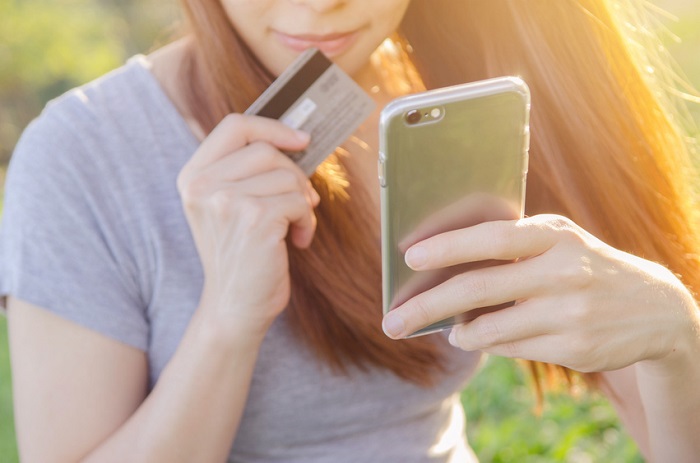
x,y
670,392
195,408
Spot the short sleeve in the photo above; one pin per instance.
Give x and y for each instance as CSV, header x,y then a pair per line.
x,y
60,242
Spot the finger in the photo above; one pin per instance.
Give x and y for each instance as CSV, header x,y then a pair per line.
x,y
261,157
296,211
533,348
465,212
505,327
315,197
303,227
549,348
248,162
277,182
500,240
252,159
271,183
302,236
237,130
473,289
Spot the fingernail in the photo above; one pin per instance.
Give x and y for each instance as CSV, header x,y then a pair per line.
x,y
393,325
453,338
315,197
416,256
303,136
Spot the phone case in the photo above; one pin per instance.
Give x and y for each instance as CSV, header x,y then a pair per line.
x,y
449,158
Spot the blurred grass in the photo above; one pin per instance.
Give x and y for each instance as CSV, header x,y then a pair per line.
x,y
501,425
684,46
8,448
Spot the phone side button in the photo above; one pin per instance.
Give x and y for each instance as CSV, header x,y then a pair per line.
x,y
381,171
526,138
526,162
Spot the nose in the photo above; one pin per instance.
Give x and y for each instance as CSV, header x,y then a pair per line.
x,y
321,6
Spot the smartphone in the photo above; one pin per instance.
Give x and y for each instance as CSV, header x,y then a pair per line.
x,y
449,158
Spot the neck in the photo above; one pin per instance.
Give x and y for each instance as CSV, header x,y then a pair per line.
x,y
165,65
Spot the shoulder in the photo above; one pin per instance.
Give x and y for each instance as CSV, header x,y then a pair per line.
x,y
107,102
114,127
69,145
169,65
108,149
87,114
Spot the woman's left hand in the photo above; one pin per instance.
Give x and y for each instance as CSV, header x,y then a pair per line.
x,y
579,302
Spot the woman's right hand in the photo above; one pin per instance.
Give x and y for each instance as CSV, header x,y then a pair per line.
x,y
242,196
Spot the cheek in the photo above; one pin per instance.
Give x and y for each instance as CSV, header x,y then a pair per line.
x,y
248,18
395,8
247,15
250,4
390,15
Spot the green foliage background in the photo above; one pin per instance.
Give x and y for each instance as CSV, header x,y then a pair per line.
x,y
48,47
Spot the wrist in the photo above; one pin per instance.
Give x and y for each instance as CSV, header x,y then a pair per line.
x,y
682,357
226,334
231,323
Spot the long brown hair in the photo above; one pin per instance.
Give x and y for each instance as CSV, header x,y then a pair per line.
x,y
604,153
335,307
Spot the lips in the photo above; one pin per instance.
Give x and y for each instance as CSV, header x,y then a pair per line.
x,y
330,44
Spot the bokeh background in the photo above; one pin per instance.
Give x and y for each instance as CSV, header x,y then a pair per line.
x,y
48,47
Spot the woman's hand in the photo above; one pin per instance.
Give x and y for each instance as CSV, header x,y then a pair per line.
x,y
580,303
242,197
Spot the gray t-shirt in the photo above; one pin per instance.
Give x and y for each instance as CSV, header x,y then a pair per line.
x,y
93,230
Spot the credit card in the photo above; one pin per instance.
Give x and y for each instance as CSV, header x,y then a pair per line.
x,y
314,95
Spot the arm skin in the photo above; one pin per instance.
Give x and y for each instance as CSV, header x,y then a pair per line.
x,y
581,304
80,396
659,404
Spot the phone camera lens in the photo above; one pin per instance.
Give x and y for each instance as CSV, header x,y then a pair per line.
x,y
413,117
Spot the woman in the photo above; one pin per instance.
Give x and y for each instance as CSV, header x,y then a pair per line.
x,y
179,291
